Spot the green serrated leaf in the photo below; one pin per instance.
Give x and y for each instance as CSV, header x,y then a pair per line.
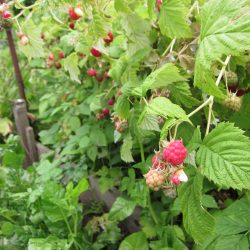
x,y
135,241
224,157
162,106
197,221
122,107
173,19
71,65
34,49
224,32
162,77
121,209
126,148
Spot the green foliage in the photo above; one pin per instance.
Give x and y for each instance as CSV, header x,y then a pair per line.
x,y
197,221
225,32
109,126
224,157
173,21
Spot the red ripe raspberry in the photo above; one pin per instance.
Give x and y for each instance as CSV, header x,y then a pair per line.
x,y
95,52
175,153
154,179
51,56
72,14
61,55
58,65
156,164
99,78
6,14
91,72
109,39
72,25
111,102
105,111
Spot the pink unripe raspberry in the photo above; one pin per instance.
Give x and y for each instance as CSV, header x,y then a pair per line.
x,y
51,56
154,179
6,14
106,75
78,12
156,164
91,72
24,40
95,52
178,177
175,153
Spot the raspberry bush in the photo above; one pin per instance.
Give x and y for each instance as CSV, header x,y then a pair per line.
x,y
148,98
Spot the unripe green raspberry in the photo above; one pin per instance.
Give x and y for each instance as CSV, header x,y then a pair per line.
x,y
231,77
233,102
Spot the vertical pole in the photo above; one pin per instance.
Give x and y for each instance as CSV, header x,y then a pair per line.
x,y
16,66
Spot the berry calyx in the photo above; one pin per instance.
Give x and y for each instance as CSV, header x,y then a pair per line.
x,y
111,102
154,179
175,153
51,56
156,164
233,102
105,111
178,177
95,52
91,72
109,39
6,14
61,55
72,25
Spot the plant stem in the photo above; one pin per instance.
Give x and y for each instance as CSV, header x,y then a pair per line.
x,y
151,210
200,107
141,150
222,71
170,47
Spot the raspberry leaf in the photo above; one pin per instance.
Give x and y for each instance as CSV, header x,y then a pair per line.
x,y
71,65
224,32
121,209
173,21
224,157
197,221
164,107
161,77
126,148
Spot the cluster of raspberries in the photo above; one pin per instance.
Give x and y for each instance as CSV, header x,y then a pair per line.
x,y
167,169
